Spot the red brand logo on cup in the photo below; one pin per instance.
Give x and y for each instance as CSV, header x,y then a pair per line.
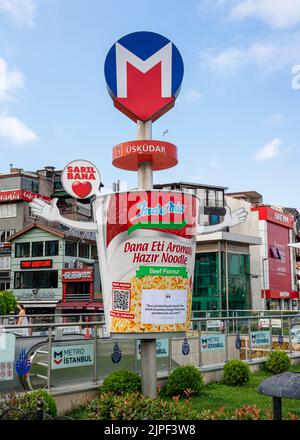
x,y
81,179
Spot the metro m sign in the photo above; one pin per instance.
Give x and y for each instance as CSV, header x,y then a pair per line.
x,y
144,72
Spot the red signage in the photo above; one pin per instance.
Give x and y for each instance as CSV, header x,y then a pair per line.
x,y
128,155
274,216
36,264
20,194
277,294
71,275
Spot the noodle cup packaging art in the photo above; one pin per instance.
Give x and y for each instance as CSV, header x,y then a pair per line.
x,y
81,179
146,244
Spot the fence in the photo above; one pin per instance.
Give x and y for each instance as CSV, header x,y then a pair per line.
x,y
78,354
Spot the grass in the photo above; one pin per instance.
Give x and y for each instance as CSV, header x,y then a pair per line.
x,y
216,395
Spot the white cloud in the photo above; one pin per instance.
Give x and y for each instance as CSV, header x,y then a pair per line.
x,y
273,120
22,12
15,131
9,80
269,151
280,14
268,56
192,96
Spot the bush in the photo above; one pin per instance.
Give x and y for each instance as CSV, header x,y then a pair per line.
x,y
121,382
184,378
29,402
236,372
135,406
8,303
277,362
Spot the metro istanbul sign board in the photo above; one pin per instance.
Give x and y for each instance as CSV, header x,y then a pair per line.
x,y
143,72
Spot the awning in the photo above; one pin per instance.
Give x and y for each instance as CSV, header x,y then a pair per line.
x,y
94,305
71,305
278,294
37,304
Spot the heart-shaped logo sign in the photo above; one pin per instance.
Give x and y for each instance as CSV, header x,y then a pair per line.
x,y
81,189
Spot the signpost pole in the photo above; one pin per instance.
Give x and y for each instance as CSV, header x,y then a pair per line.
x,y
148,346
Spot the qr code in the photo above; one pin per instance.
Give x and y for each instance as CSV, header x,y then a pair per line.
x,y
121,300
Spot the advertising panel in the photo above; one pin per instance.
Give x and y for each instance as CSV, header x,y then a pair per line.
x,y
258,339
162,348
212,342
72,356
147,250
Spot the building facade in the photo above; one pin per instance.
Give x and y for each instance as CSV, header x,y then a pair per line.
x,y
54,270
274,285
17,189
222,278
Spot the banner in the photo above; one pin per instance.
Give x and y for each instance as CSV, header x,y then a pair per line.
x,y
147,255
258,339
69,356
212,342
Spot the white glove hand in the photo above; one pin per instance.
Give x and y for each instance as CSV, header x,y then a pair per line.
x,y
44,210
234,218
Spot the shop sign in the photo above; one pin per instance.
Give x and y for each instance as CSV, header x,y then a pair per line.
x,y
80,234
70,330
128,155
147,260
265,323
81,179
162,348
71,356
212,342
77,274
36,264
20,194
258,339
215,323
143,72
35,297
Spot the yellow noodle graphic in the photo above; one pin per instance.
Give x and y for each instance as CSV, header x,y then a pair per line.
x,y
122,325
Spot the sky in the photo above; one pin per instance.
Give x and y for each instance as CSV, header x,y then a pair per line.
x,y
235,122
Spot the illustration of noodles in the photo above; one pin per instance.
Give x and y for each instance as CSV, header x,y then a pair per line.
x,y
126,325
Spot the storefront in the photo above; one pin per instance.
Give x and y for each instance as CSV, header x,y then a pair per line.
x,y
54,271
222,278
279,277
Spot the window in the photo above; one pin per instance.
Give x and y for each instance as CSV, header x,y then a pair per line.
x,y
8,211
274,252
201,193
4,263
211,198
42,279
22,250
71,248
220,201
84,250
37,249
51,248
214,219
4,235
94,252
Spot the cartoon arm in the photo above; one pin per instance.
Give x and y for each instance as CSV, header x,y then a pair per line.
x,y
52,214
231,219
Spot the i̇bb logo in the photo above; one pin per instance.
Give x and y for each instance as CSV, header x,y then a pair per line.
x,y
144,72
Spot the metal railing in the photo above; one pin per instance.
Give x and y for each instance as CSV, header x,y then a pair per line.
x,y
210,343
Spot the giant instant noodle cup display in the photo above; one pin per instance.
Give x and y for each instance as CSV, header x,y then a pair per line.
x,y
146,250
